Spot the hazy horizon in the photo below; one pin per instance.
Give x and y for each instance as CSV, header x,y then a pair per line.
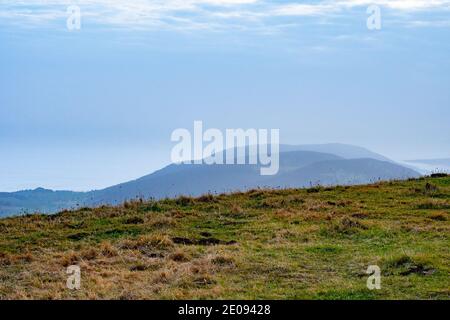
x,y
60,183
90,108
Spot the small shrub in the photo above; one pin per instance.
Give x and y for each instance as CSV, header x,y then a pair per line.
x,y
5,259
270,204
184,201
134,220
69,259
284,213
438,216
236,209
175,213
152,206
222,260
162,222
295,200
89,254
405,265
256,194
430,189
207,198
204,280
314,190
433,205
179,256
439,175
108,250
78,236
348,226
360,215
344,203
139,267
152,242
130,204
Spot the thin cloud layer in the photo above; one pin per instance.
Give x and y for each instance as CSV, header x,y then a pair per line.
x,y
194,14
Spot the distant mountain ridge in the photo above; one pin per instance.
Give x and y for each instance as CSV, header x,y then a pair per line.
x,y
300,166
339,149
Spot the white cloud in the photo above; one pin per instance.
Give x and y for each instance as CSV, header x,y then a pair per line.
x,y
327,7
193,14
304,9
398,4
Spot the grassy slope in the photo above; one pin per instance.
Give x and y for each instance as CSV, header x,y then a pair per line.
x,y
290,244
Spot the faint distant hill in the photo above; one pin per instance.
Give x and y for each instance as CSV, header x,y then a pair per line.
x,y
345,151
428,166
343,172
300,166
38,200
189,179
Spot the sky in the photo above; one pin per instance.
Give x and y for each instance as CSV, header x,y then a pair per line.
x,y
92,107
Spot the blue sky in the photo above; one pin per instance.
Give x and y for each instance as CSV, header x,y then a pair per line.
x,y
89,108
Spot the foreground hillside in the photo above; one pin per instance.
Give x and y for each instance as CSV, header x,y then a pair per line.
x,y
291,244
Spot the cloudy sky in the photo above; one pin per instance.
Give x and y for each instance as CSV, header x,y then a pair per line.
x,y
84,109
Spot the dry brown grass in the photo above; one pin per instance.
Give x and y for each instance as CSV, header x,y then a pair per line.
x,y
262,244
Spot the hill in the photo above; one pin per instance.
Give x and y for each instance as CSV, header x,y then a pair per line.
x,y
282,244
300,166
343,172
297,169
38,200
